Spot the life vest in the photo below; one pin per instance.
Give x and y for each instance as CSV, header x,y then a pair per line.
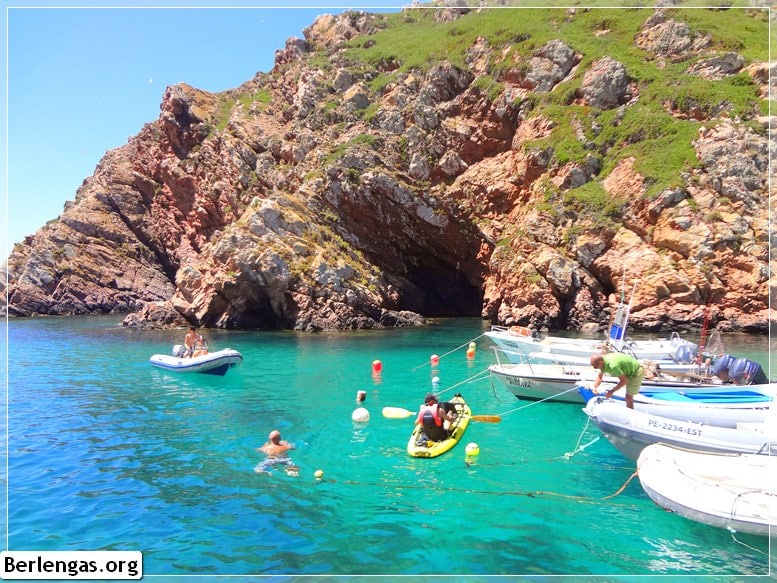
x,y
435,412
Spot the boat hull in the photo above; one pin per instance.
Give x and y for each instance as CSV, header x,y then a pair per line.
x,y
559,382
722,490
631,431
215,363
436,448
722,407
521,345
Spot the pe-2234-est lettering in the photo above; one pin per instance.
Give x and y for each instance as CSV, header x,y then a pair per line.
x,y
695,431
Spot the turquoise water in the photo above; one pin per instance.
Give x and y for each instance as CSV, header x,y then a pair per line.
x,y
134,458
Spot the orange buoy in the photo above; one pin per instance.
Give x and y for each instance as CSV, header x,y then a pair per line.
x,y
470,353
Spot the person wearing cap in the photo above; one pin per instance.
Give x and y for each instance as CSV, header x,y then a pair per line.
x,y
434,419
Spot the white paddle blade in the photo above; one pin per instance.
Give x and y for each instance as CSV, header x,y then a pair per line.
x,y
396,412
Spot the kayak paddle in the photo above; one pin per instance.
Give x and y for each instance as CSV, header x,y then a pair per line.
x,y
399,413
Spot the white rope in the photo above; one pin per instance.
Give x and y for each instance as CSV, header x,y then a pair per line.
x,y
469,380
428,362
569,454
540,401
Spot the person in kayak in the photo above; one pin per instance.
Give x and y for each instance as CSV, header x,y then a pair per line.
x,y
434,419
628,370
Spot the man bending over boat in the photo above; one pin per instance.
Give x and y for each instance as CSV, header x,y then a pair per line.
x,y
275,449
434,419
628,370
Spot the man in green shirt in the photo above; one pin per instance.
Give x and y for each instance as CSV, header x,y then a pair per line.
x,y
627,368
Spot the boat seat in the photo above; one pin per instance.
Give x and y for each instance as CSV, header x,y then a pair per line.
x,y
669,396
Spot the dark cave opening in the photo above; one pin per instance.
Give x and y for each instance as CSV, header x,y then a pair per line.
x,y
440,290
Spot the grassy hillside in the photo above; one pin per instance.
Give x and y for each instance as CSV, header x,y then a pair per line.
x,y
660,142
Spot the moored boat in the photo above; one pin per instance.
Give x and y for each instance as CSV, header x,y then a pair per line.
x,y
557,381
516,341
630,431
733,491
419,446
215,363
726,406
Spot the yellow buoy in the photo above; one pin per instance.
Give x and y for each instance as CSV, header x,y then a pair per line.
x,y
471,453
319,474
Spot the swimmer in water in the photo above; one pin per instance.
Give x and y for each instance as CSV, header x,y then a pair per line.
x,y
275,446
275,449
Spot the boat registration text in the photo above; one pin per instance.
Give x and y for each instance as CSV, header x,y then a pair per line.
x,y
672,427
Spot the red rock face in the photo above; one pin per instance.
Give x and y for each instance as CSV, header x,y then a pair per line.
x,y
284,204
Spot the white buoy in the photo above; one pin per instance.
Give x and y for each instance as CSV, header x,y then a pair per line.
x,y
319,474
360,415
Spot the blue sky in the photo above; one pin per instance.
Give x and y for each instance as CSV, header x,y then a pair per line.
x,y
81,81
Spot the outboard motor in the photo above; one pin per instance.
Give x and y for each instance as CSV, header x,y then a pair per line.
x,y
746,372
686,353
721,365
178,350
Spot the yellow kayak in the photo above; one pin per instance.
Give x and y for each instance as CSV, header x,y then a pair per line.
x,y
434,448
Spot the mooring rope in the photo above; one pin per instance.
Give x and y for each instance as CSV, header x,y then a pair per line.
x,y
534,494
471,379
538,402
428,362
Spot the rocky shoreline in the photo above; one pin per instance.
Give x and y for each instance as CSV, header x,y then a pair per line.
x,y
309,199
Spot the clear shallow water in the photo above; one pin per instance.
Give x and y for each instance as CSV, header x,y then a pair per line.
x,y
106,452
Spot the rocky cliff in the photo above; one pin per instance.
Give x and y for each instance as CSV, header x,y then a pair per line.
x,y
521,169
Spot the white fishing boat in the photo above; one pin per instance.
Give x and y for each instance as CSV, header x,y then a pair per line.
x,y
522,340
733,491
518,341
631,430
558,380
725,406
215,363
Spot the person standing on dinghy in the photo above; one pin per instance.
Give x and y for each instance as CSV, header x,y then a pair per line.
x,y
628,370
434,419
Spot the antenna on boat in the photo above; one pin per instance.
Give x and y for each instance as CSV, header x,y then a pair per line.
x,y
618,327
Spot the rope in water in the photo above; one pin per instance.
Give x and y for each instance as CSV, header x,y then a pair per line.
x,y
535,494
